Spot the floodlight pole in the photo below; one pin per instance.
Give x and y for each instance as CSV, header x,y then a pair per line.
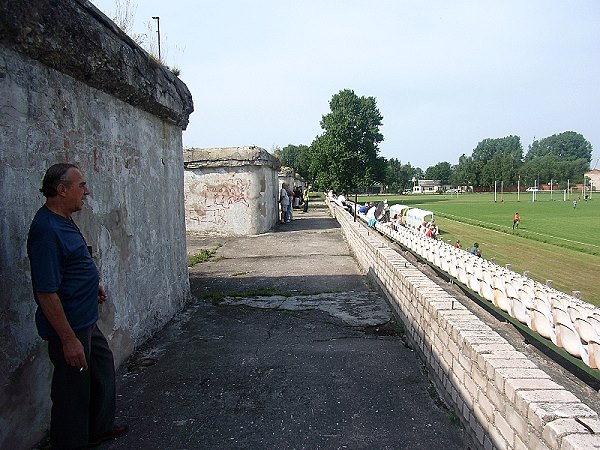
x,y
157,18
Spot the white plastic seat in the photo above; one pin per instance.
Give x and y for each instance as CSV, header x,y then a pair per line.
x,y
473,283
527,299
501,300
453,269
510,289
542,324
568,338
560,315
486,291
574,312
478,271
593,354
437,260
586,330
528,289
544,295
542,306
488,277
463,276
519,311
594,321
445,265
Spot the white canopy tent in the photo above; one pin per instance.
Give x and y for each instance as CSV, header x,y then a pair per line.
x,y
416,216
409,216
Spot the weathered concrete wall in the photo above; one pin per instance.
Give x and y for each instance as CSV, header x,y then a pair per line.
x,y
287,175
503,399
230,190
73,88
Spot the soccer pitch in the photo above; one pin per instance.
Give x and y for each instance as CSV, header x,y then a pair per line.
x,y
555,241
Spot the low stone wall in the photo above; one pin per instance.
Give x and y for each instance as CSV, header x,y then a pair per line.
x,y
231,191
503,399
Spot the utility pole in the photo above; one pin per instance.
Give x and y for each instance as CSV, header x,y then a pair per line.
x,y
157,18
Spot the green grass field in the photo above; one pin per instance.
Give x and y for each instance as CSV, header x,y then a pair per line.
x,y
554,241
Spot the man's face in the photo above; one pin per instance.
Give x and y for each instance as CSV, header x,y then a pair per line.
x,y
75,192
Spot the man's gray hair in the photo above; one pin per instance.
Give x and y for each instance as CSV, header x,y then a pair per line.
x,y
55,175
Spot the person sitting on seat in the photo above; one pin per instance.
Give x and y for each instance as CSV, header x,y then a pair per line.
x,y
364,208
475,250
371,220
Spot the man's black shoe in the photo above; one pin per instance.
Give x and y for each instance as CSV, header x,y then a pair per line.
x,y
117,431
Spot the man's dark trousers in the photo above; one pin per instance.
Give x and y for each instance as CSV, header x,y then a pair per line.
x,y
83,402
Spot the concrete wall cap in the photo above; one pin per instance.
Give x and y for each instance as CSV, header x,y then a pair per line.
x,y
197,158
51,31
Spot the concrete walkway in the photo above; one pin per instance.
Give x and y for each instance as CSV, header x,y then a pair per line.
x,y
315,361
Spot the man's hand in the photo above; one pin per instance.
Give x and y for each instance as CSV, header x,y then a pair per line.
x,y
74,355
54,312
102,297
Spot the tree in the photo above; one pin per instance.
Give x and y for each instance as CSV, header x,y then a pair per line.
x,y
344,157
399,176
393,170
560,157
542,169
497,160
567,145
295,156
441,171
464,173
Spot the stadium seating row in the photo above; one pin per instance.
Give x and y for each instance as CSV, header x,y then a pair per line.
x,y
567,321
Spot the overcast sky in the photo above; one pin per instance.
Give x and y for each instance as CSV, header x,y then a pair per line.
x,y
445,74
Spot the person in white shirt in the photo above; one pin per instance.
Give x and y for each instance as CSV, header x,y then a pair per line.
x,y
284,200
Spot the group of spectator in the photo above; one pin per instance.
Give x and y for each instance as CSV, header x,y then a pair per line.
x,y
290,199
341,200
373,216
429,229
473,250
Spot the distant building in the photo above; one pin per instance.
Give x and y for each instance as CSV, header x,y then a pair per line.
x,y
427,187
594,176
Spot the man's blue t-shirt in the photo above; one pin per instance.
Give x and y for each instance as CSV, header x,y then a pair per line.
x,y
61,263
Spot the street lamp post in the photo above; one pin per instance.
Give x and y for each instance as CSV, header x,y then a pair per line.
x,y
157,18
356,182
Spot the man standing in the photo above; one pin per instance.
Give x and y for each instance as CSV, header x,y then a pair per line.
x,y
284,200
305,198
67,291
516,220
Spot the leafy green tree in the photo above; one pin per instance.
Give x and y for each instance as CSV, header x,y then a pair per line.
x,y
344,157
295,156
567,145
399,176
465,173
393,172
379,174
441,171
542,169
497,160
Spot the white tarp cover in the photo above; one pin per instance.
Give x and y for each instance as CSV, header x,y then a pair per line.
x,y
397,209
416,216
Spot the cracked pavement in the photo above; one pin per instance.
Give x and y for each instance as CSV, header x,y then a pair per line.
x,y
318,365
